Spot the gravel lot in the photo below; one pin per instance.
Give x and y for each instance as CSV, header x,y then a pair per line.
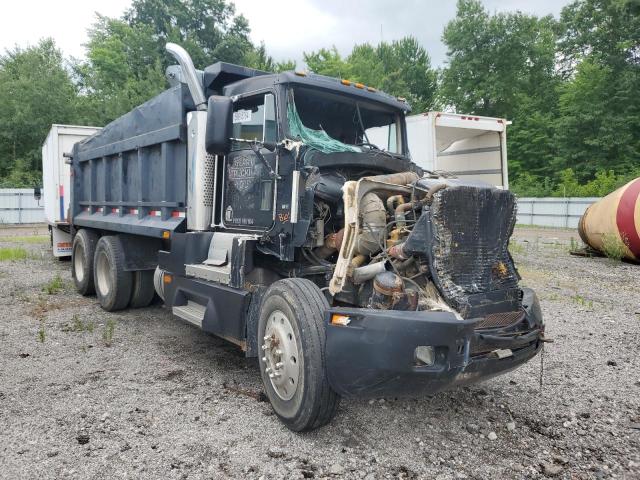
x,y
88,394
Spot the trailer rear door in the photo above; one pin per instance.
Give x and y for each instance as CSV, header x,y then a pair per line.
x,y
55,172
467,146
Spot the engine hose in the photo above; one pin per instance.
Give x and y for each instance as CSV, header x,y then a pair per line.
x,y
401,178
397,251
428,198
400,213
368,272
374,216
391,203
406,264
358,261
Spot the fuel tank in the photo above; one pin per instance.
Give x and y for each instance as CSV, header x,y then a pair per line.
x,y
616,216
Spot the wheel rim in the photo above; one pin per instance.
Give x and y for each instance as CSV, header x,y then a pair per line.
x,y
102,274
280,359
78,263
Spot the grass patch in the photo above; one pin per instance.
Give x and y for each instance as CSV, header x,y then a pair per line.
x,y
78,325
26,239
42,335
11,253
42,307
54,285
539,227
580,300
614,247
107,333
574,246
516,248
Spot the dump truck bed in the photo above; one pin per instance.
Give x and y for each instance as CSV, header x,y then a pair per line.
x,y
131,176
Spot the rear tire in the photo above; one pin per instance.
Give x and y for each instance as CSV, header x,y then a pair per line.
x,y
113,283
82,253
143,290
291,332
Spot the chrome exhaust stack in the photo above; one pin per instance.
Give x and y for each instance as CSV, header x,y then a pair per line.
x,y
200,165
190,74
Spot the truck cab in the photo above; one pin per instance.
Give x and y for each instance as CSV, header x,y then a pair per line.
x,y
283,213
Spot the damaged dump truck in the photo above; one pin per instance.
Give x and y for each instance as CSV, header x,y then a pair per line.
x,y
256,206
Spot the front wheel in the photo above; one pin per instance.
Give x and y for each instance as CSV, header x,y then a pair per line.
x,y
292,357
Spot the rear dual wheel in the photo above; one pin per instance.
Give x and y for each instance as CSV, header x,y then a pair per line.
x,y
82,254
113,282
117,288
143,289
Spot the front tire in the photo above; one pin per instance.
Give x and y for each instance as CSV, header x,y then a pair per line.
x,y
291,333
82,253
113,283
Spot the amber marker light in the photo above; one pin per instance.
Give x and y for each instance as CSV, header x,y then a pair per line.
x,y
359,85
166,234
342,320
345,82
166,278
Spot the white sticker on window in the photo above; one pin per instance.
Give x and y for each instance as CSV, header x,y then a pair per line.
x,y
241,116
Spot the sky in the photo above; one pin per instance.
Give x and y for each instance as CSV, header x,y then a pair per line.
x,y
287,27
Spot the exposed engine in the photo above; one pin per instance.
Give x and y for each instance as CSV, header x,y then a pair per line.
x,y
401,242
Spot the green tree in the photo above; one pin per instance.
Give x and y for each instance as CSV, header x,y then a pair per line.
x,y
406,71
503,65
608,31
603,183
401,68
599,120
494,59
126,58
259,59
122,70
599,104
35,91
328,62
529,185
208,29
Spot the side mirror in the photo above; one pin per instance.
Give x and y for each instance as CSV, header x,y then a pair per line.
x,y
219,125
37,193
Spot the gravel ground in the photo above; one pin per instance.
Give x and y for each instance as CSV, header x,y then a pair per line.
x,y
89,394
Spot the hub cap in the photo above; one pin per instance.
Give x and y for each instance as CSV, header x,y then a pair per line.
x,y
280,355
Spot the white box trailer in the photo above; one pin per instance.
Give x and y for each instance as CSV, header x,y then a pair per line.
x,y
468,146
56,182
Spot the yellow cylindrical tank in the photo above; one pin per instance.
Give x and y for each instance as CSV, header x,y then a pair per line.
x,y
617,217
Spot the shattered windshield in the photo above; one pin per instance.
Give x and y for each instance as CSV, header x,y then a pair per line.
x,y
332,123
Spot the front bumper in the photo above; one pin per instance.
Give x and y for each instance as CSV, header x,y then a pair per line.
x,y
373,356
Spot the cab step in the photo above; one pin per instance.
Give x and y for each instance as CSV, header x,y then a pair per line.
x,y
209,273
192,312
217,267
